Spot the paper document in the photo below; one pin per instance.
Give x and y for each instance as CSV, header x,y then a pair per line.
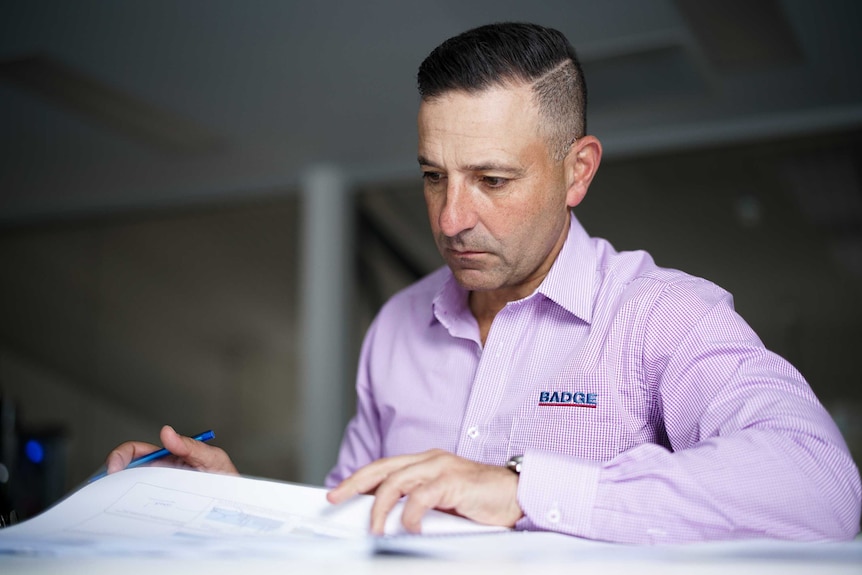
x,y
177,511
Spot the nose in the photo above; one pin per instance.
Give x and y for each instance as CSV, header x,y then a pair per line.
x,y
458,212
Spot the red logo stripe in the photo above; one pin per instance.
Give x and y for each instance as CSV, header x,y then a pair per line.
x,y
590,405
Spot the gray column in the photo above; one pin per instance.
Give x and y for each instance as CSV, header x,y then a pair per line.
x,y
324,319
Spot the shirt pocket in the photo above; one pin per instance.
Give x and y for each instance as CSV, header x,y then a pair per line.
x,y
567,431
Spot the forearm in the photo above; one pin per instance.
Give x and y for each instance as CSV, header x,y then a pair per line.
x,y
728,488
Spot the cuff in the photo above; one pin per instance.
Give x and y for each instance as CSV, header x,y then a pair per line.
x,y
557,493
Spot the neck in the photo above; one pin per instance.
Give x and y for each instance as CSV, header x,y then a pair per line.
x,y
486,304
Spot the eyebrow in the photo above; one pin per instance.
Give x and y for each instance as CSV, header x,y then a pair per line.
x,y
486,167
423,161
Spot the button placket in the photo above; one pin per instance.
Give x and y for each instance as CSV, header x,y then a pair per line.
x,y
490,381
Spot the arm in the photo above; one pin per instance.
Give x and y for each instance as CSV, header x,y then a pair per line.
x,y
362,441
186,453
754,454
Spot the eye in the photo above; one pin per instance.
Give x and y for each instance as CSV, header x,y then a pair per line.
x,y
494,182
432,177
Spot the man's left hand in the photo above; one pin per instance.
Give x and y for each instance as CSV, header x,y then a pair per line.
x,y
435,479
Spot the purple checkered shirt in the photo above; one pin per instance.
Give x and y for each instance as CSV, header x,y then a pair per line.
x,y
645,408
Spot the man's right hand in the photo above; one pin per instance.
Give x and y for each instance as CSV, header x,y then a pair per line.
x,y
186,451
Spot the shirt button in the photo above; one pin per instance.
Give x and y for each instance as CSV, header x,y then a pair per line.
x,y
554,516
473,432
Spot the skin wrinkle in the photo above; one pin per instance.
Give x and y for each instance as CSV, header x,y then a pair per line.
x,y
462,136
499,242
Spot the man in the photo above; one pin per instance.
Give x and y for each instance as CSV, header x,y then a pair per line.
x,y
542,380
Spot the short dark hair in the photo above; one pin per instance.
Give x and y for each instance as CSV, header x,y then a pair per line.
x,y
514,53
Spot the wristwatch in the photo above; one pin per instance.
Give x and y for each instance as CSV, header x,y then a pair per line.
x,y
514,464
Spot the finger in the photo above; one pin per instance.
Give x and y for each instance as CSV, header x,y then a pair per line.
x,y
406,481
372,475
428,496
123,454
196,454
176,443
384,502
390,492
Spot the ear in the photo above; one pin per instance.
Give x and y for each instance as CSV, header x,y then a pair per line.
x,y
581,165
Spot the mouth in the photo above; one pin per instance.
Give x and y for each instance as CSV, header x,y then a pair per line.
x,y
463,260
464,253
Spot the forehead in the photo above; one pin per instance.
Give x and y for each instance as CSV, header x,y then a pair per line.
x,y
497,118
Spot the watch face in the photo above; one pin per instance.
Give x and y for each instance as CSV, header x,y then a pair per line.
x,y
514,463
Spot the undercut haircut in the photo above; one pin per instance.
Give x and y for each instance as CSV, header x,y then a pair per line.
x,y
511,54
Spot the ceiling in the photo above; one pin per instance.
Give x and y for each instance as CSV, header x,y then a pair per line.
x,y
117,106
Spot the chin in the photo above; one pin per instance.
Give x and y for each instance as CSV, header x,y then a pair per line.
x,y
475,280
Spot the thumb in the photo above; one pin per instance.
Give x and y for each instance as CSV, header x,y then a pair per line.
x,y
195,453
175,443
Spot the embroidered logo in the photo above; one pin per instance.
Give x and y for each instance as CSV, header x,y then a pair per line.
x,y
567,399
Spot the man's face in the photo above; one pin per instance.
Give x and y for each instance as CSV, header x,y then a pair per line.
x,y
496,198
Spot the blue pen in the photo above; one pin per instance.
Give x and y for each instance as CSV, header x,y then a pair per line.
x,y
205,436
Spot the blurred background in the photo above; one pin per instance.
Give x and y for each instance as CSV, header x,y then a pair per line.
x,y
203,203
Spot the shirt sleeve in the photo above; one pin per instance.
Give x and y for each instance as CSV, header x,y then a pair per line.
x,y
361,443
753,452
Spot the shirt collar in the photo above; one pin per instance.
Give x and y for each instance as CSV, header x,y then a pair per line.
x,y
450,308
570,283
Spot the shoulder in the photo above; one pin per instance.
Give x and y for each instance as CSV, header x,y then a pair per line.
x,y
635,274
413,305
403,324
662,308
660,300
420,293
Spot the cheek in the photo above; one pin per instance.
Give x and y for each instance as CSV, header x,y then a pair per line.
x,y
432,209
529,211
536,224
513,227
